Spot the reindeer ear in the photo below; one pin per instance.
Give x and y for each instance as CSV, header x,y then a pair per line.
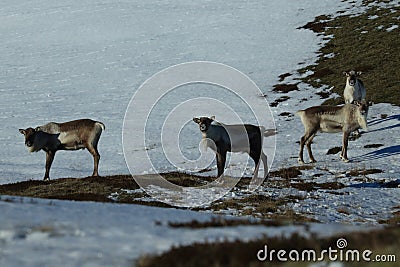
x,y
359,73
212,117
22,131
196,120
37,129
346,73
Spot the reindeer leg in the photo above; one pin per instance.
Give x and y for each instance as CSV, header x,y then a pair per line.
x,y
308,144
345,143
255,155
303,141
265,162
96,158
221,159
49,160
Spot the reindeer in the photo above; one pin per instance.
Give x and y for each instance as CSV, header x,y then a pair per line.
x,y
222,138
332,119
72,135
354,90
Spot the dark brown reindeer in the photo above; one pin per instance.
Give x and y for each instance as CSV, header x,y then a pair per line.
x,y
222,138
332,119
72,135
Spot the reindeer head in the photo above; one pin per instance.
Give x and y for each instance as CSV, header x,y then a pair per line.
x,y
352,76
362,107
30,136
204,122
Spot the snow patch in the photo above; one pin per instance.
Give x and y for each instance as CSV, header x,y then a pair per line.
x,y
391,28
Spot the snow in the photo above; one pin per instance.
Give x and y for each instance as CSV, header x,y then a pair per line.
x,y
76,59
391,28
365,205
87,58
100,234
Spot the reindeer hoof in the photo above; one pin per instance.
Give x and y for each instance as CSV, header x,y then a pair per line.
x,y
313,161
344,159
46,179
299,160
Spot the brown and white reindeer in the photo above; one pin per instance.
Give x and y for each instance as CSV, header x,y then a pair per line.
x,y
72,135
223,138
332,119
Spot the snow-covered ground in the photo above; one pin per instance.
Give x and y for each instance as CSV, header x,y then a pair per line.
x,y
86,59
99,234
76,59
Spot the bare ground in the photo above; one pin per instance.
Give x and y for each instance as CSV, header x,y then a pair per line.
x,y
124,189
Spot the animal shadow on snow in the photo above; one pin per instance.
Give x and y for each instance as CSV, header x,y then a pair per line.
x,y
381,153
384,152
378,121
391,184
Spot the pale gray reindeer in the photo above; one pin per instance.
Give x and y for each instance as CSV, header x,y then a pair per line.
x,y
332,119
72,135
222,138
354,90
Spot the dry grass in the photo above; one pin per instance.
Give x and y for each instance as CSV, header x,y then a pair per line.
x,y
224,222
239,253
123,189
285,88
85,189
289,172
363,44
395,220
364,172
281,99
